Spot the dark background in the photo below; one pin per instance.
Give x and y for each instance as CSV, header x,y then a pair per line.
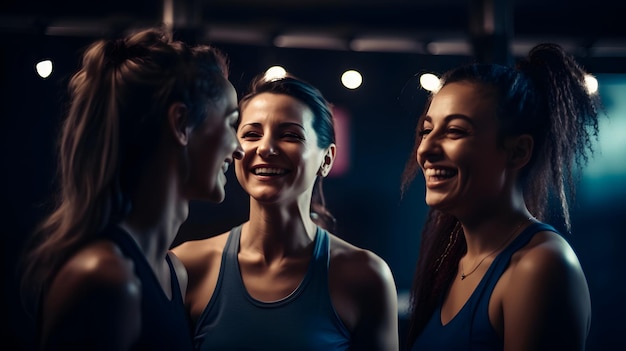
x,y
381,113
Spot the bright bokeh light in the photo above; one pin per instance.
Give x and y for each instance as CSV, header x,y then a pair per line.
x,y
275,72
351,79
591,83
430,82
604,177
44,68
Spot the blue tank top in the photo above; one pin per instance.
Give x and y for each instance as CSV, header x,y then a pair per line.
x,y
164,322
304,320
471,328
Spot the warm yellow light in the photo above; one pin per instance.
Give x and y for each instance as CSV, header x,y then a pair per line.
x,y
591,83
351,79
44,68
275,72
430,82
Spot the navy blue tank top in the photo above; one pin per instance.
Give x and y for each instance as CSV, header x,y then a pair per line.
x,y
164,322
471,329
304,320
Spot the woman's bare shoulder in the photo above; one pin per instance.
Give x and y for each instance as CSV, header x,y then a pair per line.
x,y
97,286
97,273
358,265
99,264
547,252
547,266
199,249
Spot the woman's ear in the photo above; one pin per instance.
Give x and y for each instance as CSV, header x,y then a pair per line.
x,y
177,116
520,150
327,162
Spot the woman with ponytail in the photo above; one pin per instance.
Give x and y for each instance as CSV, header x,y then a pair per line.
x,y
494,145
282,280
150,127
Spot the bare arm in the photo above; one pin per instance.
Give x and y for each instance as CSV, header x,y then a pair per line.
x,y
547,304
377,328
365,297
93,303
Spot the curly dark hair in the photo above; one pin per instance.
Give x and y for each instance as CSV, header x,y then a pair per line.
x,y
543,96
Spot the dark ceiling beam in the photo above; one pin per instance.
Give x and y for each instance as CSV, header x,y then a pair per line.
x,y
184,18
480,28
491,30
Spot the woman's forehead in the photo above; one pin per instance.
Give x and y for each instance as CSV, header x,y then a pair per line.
x,y
462,98
270,106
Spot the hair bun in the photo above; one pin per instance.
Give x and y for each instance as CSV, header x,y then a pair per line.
x,y
116,52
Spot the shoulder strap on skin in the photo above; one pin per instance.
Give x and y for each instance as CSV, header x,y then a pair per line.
x,y
480,304
228,263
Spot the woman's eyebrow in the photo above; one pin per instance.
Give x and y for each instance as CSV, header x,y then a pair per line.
x,y
460,116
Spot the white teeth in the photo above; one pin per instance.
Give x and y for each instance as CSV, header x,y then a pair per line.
x,y
267,170
439,172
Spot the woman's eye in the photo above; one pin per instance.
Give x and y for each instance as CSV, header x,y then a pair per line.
x,y
456,131
293,136
424,131
250,135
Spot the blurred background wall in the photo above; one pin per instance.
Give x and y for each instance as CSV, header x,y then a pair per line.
x,y
316,40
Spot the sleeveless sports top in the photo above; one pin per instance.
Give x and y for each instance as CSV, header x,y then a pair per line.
x,y
471,329
164,322
304,320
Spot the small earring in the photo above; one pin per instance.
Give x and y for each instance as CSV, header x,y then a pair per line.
x,y
320,172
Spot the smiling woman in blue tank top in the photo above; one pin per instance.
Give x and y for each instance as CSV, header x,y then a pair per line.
x,y
493,145
280,281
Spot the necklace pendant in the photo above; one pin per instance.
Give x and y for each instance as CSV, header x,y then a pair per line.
x,y
463,276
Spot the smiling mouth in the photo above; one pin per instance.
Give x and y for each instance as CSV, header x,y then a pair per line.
x,y
267,171
439,174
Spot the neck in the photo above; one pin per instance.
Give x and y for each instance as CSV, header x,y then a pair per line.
x,y
155,232
276,230
487,234
158,210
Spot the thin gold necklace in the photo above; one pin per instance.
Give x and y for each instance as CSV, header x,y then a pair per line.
x,y
463,275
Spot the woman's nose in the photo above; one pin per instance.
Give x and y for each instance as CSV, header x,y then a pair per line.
x,y
267,148
428,148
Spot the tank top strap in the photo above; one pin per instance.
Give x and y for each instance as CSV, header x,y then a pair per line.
x,y
229,279
230,282
226,286
321,251
501,262
131,249
232,243
176,293
480,300
316,273
232,312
